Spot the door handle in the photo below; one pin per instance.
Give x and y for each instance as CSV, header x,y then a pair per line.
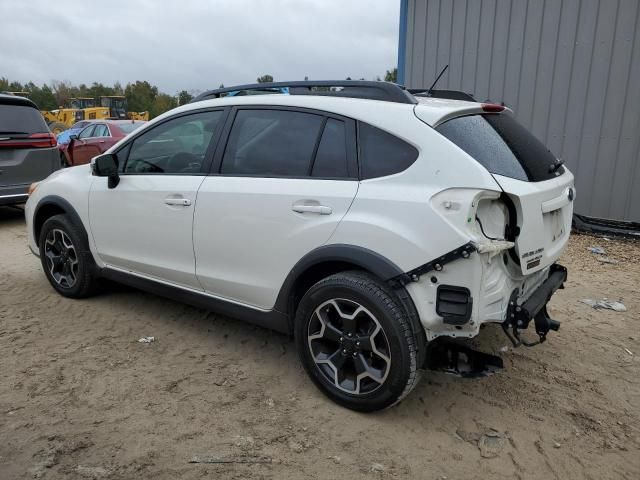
x,y
319,209
100,141
182,202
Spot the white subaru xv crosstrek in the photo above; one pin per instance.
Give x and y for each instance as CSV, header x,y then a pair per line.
x,y
362,219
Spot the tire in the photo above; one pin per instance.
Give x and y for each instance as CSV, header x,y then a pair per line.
x,y
381,336
63,161
57,127
66,259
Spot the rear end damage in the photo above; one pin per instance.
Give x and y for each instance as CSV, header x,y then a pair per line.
x,y
507,272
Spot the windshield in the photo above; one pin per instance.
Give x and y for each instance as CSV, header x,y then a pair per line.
x,y
117,103
503,146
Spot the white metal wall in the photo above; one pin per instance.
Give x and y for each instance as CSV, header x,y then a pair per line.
x,y
570,69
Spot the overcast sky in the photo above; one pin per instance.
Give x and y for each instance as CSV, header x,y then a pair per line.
x,y
196,44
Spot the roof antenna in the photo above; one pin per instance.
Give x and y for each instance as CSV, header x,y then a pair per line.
x,y
438,78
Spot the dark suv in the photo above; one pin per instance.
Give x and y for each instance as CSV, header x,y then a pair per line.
x,y
28,151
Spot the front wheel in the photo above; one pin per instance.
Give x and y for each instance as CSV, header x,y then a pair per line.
x,y
356,343
66,259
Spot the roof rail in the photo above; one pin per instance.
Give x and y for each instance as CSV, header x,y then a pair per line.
x,y
450,94
385,91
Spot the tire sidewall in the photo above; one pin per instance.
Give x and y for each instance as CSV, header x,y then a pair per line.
x,y
400,370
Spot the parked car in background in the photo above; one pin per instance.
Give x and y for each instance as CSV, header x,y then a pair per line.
x,y
63,137
96,138
28,150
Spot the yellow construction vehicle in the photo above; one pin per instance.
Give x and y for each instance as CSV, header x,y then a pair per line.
x,y
86,108
117,105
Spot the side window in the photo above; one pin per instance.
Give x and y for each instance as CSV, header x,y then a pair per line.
x,y
87,132
100,131
271,143
383,154
176,146
331,158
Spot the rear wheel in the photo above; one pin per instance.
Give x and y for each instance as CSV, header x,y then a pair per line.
x,y
355,342
66,259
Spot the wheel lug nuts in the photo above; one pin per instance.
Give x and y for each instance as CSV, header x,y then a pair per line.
x,y
355,354
350,334
344,351
357,344
342,339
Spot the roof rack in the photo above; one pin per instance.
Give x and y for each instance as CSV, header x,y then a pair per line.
x,y
385,91
450,94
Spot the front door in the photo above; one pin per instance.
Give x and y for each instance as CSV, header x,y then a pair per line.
x,y
145,224
283,184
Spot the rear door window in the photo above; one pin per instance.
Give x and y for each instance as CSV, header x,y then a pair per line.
x,y
21,119
383,154
100,131
271,143
503,146
331,157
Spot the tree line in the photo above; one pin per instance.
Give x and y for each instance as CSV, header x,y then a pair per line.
x,y
141,95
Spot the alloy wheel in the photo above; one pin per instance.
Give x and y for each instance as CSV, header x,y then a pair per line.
x,y
349,346
61,257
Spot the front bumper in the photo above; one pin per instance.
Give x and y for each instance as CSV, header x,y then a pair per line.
x,y
534,308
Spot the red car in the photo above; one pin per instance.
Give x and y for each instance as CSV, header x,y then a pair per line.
x,y
95,139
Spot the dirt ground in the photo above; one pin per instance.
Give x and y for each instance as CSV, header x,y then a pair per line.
x,y
81,398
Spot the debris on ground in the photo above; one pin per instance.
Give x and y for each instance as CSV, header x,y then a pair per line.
x,y
215,459
377,467
628,351
491,444
92,472
604,303
556,445
146,339
335,458
597,250
602,259
504,349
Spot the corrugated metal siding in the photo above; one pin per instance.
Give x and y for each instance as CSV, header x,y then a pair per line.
x,y
570,69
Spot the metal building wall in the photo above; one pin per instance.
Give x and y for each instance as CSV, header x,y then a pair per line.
x,y
570,70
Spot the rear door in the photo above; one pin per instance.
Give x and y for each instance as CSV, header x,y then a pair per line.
x,y
28,151
278,190
540,188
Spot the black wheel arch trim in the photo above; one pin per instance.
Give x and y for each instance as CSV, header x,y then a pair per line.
x,y
60,203
361,257
364,258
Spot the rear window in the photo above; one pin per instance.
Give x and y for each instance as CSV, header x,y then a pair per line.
x,y
21,119
503,146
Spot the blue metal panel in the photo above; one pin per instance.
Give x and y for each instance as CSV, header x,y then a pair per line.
x,y
402,41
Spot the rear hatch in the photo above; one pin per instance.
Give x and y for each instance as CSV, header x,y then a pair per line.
x,y
28,151
539,189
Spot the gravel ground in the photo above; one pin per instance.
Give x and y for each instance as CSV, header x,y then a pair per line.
x,y
81,398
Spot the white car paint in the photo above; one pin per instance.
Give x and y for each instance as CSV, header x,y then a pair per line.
x,y
239,237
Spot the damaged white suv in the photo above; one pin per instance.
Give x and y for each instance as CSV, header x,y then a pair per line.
x,y
362,219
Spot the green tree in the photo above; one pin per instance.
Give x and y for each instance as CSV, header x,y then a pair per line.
x,y
161,103
265,79
140,96
184,97
391,75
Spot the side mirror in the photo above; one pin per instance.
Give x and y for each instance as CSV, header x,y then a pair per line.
x,y
107,166
73,136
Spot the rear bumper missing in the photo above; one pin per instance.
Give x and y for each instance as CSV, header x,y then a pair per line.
x,y
534,308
